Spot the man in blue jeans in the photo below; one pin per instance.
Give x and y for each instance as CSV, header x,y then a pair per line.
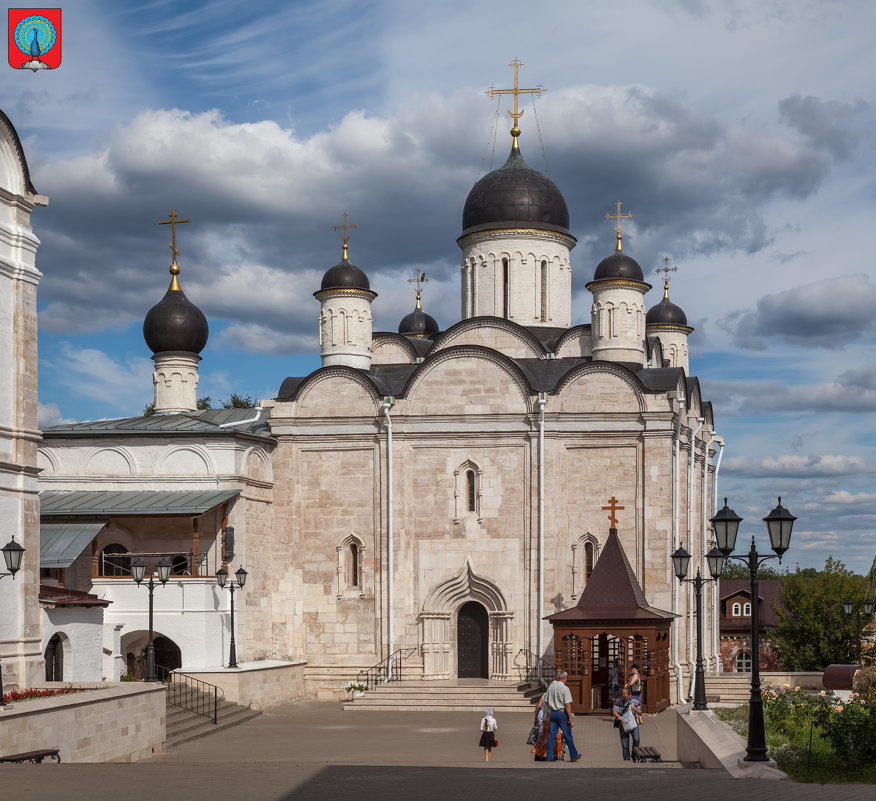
x,y
559,700
620,708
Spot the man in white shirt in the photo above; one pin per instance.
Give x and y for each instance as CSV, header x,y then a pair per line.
x,y
558,699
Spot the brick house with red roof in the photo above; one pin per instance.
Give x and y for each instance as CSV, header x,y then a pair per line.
x,y
735,623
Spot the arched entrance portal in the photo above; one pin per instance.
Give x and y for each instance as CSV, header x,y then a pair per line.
x,y
167,653
472,630
55,659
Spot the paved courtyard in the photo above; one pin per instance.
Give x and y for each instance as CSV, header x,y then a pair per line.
x,y
318,751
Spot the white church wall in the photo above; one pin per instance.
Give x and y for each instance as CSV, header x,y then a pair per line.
x,y
81,632
508,340
193,612
444,384
391,351
535,297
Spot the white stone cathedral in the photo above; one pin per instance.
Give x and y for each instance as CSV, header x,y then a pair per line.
x,y
437,492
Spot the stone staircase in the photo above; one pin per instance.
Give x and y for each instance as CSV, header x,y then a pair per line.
x,y
728,688
462,695
184,726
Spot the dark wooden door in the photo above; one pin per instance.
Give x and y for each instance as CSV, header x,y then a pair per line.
x,y
471,641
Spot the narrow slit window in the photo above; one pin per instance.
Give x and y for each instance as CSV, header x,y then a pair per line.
x,y
505,289
544,289
471,490
353,565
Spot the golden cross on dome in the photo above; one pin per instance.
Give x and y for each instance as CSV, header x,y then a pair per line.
x,y
516,91
618,225
420,279
666,269
347,227
174,220
612,508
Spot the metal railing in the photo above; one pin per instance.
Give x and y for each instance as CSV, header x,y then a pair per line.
x,y
191,694
118,565
535,669
389,669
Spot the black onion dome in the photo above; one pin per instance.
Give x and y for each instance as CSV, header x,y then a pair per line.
x,y
515,195
175,323
666,313
345,275
418,324
618,266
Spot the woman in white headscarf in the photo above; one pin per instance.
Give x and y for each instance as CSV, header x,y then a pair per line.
x,y
488,739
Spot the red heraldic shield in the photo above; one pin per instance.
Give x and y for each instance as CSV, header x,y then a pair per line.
x,y
34,38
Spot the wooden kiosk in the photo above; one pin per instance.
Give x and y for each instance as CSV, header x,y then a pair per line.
x,y
612,623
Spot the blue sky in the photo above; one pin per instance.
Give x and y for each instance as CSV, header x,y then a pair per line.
x,y
739,134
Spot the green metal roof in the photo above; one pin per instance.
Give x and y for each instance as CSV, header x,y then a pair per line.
x,y
86,503
224,422
61,543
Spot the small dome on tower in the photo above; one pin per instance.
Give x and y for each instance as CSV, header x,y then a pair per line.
x,y
618,266
418,324
345,275
175,323
666,313
515,195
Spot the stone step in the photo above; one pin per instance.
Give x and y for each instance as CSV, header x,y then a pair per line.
x,y
183,726
446,696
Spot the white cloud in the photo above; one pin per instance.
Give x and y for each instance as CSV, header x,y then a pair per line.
x,y
792,465
48,414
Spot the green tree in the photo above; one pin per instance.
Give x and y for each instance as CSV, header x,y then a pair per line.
x,y
236,401
202,404
813,630
737,570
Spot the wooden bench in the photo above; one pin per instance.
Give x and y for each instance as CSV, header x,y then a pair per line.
x,y
35,757
645,753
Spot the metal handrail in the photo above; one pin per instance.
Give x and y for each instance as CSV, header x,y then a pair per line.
x,y
193,695
537,668
381,672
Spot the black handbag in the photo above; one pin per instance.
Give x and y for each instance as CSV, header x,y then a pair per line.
x,y
532,739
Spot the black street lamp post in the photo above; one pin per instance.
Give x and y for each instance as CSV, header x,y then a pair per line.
x,y
680,562
779,524
12,553
865,613
222,578
139,571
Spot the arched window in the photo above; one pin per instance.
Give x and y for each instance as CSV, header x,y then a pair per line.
x,y
471,490
353,565
589,559
742,663
544,290
54,657
467,491
506,300
350,567
736,610
113,563
746,609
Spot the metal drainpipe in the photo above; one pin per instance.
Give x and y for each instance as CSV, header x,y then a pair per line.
x,y
676,501
387,405
539,621
690,508
710,587
716,634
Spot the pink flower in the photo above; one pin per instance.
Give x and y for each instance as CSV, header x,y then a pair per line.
x,y
786,686
839,709
822,693
797,689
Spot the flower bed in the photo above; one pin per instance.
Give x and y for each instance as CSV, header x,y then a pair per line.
x,y
28,695
816,737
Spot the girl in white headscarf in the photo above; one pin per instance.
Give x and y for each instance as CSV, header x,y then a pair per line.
x,y
488,739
